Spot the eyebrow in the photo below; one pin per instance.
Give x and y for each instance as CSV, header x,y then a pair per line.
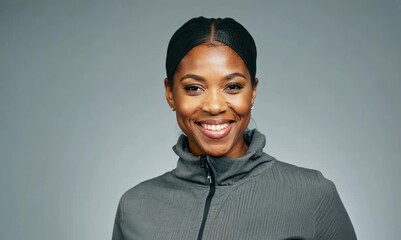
x,y
234,75
193,76
200,78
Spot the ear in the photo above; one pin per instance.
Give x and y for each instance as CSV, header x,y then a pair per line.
x,y
169,94
254,90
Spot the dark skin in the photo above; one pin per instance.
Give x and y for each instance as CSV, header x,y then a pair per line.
x,y
212,95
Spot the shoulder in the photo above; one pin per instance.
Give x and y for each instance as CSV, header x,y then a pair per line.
x,y
151,185
311,181
331,220
294,173
144,191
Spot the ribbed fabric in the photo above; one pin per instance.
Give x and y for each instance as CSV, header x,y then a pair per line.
x,y
257,197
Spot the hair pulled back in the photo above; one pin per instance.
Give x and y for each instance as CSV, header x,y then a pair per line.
x,y
201,30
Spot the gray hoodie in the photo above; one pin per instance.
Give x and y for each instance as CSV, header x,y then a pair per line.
x,y
253,197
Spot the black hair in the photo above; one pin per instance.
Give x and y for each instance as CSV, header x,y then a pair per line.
x,y
201,30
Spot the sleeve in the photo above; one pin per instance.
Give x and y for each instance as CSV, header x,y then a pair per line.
x,y
331,219
117,232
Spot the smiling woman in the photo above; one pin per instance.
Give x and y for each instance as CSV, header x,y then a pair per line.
x,y
224,185
213,96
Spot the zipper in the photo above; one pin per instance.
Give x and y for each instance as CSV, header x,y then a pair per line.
x,y
212,190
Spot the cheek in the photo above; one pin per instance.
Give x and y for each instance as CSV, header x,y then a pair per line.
x,y
241,105
186,105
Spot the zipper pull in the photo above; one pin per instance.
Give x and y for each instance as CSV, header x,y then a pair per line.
x,y
209,178
204,165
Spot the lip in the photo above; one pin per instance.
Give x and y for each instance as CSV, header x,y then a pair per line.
x,y
215,134
214,121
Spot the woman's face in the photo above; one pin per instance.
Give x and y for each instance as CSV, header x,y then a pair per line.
x,y
212,96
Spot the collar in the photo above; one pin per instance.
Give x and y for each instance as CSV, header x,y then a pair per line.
x,y
226,170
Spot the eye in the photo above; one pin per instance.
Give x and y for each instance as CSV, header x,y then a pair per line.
x,y
193,89
233,87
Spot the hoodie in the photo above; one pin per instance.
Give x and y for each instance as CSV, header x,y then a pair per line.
x,y
253,197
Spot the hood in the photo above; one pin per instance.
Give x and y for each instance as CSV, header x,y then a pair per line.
x,y
226,170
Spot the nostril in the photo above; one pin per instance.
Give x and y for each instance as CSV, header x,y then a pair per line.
x,y
214,107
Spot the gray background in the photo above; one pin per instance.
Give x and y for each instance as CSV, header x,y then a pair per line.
x,y
83,116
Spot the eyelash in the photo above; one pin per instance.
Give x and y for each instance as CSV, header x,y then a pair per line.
x,y
231,88
236,86
192,88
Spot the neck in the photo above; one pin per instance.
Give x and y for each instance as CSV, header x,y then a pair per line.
x,y
238,150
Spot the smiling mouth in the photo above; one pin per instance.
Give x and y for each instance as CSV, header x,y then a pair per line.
x,y
213,127
215,130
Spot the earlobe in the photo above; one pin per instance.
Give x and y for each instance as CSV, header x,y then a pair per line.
x,y
169,94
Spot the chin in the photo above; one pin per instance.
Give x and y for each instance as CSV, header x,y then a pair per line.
x,y
216,151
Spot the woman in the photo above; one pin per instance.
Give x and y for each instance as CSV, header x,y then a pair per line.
x,y
225,186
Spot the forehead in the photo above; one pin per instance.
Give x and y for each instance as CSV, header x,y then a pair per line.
x,y
206,57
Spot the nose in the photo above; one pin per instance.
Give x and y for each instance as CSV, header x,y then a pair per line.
x,y
214,102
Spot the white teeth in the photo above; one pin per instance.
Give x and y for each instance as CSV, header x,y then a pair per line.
x,y
217,127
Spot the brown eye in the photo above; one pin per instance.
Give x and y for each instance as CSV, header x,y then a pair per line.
x,y
233,87
193,89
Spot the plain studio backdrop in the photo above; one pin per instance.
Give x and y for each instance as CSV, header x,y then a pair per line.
x,y
83,115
